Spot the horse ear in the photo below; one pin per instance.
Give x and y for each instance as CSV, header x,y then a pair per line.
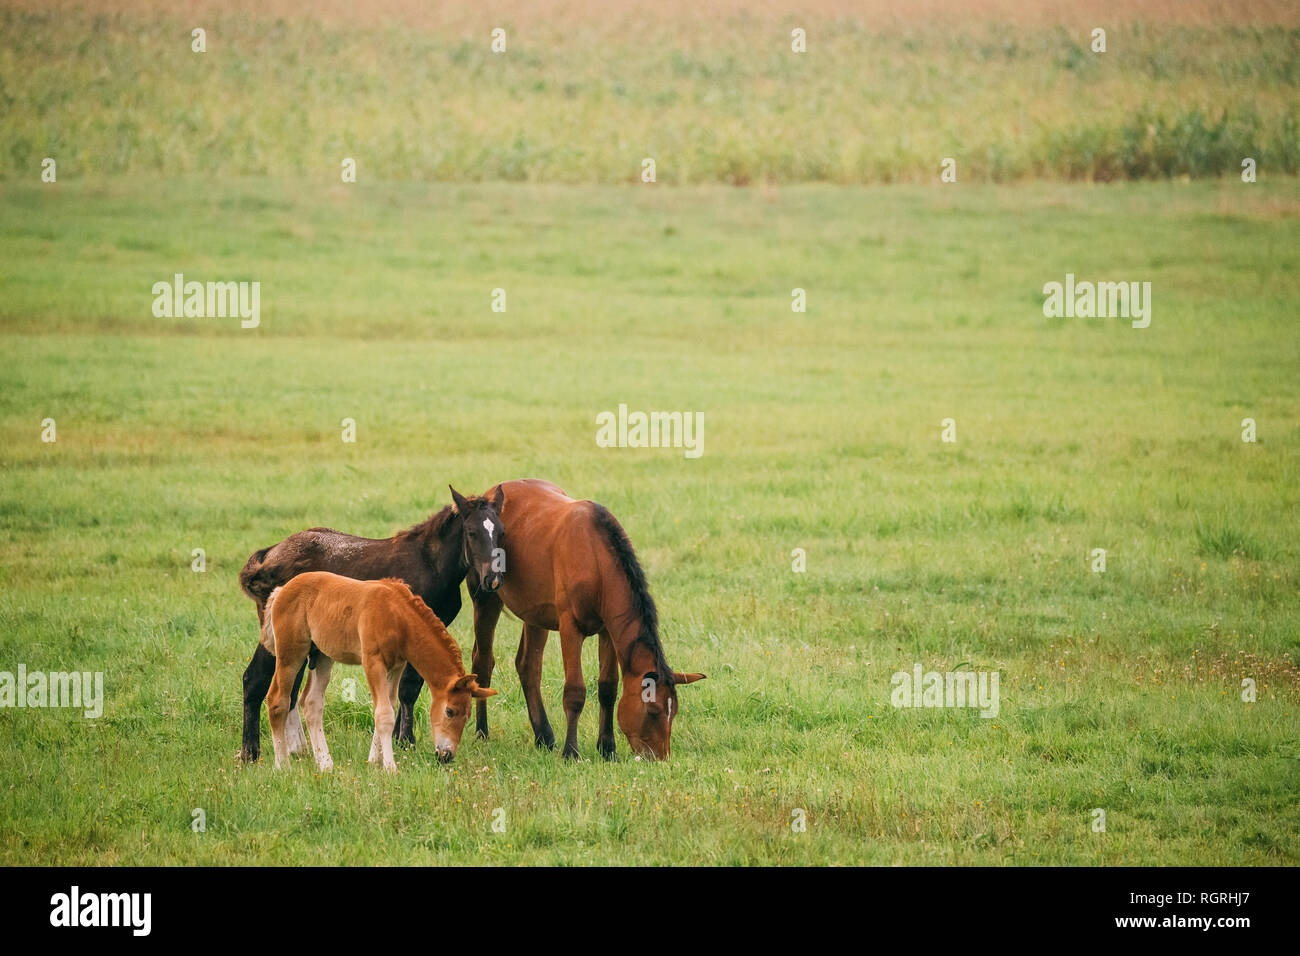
x,y
459,501
686,678
470,683
498,499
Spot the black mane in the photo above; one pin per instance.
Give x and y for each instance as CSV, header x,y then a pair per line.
x,y
433,526
642,603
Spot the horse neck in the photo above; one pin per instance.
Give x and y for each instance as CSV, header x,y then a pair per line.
x,y
445,555
639,658
634,654
431,655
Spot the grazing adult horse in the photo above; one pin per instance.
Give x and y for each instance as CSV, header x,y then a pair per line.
x,y
432,557
572,569
383,627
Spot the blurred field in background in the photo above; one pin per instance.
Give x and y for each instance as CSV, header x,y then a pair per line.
x,y
587,90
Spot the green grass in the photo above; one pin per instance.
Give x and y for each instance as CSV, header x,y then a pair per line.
x,y
1119,690
881,95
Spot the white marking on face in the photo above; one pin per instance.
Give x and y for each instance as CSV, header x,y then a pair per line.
x,y
489,527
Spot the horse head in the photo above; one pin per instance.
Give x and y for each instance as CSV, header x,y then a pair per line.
x,y
450,709
647,709
481,551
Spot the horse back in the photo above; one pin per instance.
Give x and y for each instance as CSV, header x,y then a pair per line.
x,y
321,608
560,558
324,549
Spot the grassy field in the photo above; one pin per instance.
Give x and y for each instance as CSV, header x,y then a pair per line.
x,y
1119,691
585,91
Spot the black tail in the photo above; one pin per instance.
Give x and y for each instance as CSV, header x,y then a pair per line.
x,y
255,584
642,603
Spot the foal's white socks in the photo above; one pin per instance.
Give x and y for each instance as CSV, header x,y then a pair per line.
x,y
293,729
381,749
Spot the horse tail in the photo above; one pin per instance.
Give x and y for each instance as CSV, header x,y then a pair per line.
x,y
253,581
643,605
268,629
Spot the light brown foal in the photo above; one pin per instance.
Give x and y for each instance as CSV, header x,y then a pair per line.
x,y
380,625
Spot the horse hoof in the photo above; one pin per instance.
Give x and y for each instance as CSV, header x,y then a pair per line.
x,y
250,756
571,753
607,751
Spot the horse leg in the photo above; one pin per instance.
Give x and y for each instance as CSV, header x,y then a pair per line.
x,y
394,680
297,740
277,708
575,688
274,713
313,706
607,694
408,693
378,690
257,681
528,663
381,692
487,610
385,731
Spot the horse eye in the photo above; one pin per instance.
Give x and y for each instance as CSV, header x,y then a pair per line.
x,y
450,712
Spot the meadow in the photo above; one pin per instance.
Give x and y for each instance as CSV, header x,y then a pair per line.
x,y
1119,690
584,91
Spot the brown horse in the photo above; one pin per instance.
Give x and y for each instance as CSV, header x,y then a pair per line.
x,y
572,569
380,625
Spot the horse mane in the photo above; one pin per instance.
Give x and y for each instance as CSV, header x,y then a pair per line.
x,y
642,603
434,526
435,624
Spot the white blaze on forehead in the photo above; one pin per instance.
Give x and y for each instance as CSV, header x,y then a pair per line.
x,y
488,526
